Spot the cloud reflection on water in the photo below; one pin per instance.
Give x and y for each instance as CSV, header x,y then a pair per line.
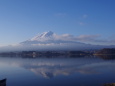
x,y
49,68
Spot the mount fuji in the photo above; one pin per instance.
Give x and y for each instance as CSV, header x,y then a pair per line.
x,y
50,38
52,41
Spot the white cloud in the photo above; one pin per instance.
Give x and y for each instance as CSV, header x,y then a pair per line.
x,y
87,37
81,23
84,16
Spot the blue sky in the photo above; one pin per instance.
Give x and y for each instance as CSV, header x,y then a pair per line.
x,y
22,19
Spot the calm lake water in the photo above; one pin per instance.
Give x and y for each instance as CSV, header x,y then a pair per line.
x,y
62,71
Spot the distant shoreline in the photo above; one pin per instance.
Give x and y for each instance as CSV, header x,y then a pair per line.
x,y
105,51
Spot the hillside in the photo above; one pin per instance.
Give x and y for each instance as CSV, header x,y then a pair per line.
x,y
106,51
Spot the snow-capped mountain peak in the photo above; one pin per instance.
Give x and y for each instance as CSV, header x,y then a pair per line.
x,y
51,41
48,38
44,35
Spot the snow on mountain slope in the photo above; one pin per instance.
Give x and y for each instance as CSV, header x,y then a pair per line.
x,y
45,35
51,41
50,38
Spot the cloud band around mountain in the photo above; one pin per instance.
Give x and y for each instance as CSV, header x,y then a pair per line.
x,y
52,41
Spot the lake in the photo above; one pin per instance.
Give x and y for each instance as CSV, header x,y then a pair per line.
x,y
60,71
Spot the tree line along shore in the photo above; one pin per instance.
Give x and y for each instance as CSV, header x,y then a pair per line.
x,y
105,51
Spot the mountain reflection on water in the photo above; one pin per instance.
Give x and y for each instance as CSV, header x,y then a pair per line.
x,y
87,68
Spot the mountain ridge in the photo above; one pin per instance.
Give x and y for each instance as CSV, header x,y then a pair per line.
x,y
50,41
48,37
48,34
